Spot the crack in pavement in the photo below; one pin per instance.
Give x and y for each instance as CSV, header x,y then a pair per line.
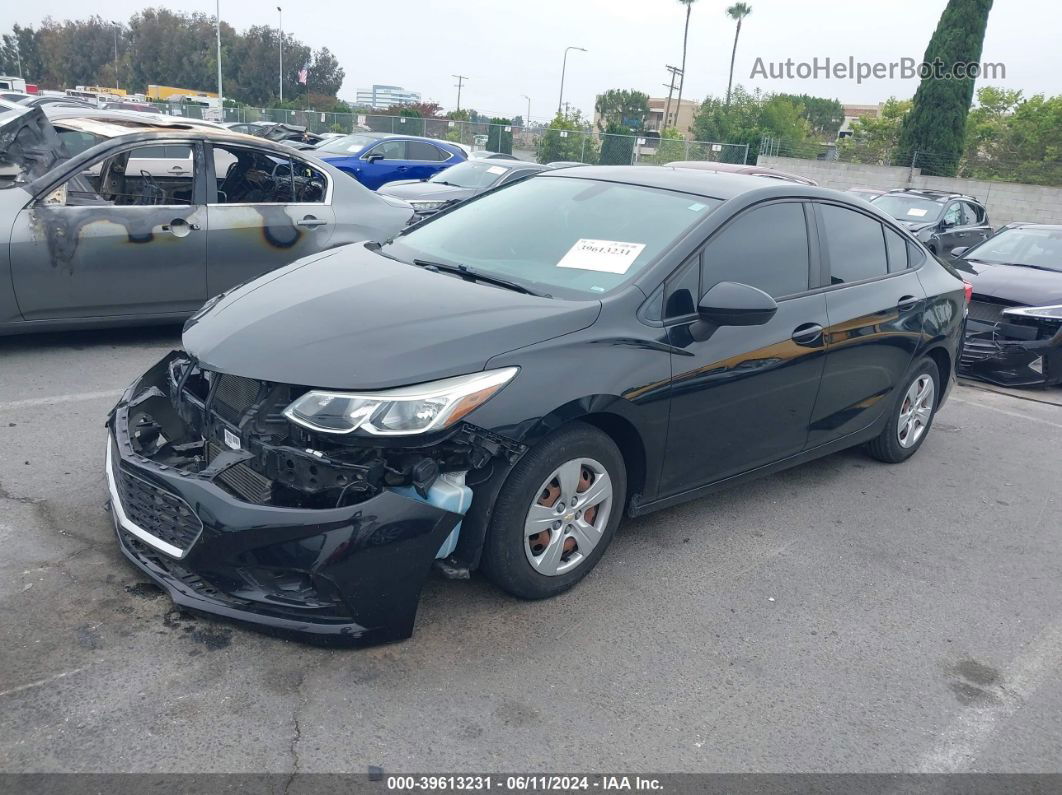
x,y
296,736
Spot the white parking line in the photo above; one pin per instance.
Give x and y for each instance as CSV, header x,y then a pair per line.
x,y
959,743
1008,412
39,682
48,401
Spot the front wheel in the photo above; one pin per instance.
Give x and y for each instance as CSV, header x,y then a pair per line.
x,y
556,513
911,416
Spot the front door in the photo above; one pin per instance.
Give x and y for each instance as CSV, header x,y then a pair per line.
x,y
114,240
741,397
268,210
875,307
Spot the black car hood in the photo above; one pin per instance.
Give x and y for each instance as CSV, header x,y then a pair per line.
x,y
1017,283
353,319
427,191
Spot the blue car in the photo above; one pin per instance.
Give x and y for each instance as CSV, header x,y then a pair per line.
x,y
377,158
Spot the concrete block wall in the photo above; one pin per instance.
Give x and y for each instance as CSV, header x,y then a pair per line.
x,y
1005,201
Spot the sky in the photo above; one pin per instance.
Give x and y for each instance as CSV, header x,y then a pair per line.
x,y
420,44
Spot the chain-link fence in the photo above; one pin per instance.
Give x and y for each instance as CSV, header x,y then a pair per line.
x,y
1029,171
537,142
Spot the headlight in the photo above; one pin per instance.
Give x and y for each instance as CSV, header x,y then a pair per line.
x,y
398,412
426,206
1052,312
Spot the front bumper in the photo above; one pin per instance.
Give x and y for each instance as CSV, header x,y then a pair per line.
x,y
350,575
991,353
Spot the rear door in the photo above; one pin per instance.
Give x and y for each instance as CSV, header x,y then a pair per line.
x,y
113,242
875,303
267,209
425,159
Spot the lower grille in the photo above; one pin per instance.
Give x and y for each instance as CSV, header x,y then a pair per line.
x,y
986,312
165,516
976,350
243,481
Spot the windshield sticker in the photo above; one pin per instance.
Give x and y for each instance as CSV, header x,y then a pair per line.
x,y
917,212
697,207
605,256
496,170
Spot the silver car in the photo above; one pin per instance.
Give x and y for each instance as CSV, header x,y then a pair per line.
x,y
116,224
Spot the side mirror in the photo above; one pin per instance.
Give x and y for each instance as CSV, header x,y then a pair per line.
x,y
958,251
374,158
735,304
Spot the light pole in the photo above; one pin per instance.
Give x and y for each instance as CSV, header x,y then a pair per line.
x,y
460,82
280,16
564,68
221,96
115,54
18,57
527,118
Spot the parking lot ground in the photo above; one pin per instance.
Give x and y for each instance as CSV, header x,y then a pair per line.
x,y
842,616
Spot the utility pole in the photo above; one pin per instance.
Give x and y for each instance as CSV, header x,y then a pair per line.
x,y
18,57
671,90
527,118
115,56
280,16
221,97
460,82
564,68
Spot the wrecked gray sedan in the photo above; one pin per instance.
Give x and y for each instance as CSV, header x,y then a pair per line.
x,y
111,223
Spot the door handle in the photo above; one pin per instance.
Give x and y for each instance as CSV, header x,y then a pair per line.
x,y
310,222
907,303
179,227
808,334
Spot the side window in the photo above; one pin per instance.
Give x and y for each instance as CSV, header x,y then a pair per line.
x,y
953,215
252,176
855,243
765,248
135,178
419,150
310,183
974,214
515,175
391,150
896,246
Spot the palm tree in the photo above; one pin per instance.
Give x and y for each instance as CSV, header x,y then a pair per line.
x,y
737,12
682,79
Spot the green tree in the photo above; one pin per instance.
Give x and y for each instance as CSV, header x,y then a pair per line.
x,y
877,140
937,122
824,115
671,147
737,12
567,138
498,140
746,121
627,108
617,146
1015,139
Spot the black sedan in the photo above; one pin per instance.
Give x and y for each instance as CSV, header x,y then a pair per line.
x,y
458,183
1014,331
499,385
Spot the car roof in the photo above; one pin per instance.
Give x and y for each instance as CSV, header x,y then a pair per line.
x,y
929,193
740,168
126,118
1028,225
714,184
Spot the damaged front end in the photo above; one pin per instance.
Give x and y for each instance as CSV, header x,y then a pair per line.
x,y
1012,345
237,511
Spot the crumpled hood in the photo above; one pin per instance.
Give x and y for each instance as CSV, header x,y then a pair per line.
x,y
29,145
424,191
1023,285
353,319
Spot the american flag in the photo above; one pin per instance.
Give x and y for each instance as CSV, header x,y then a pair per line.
x,y
304,73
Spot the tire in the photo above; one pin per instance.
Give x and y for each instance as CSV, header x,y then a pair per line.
x,y
534,563
900,440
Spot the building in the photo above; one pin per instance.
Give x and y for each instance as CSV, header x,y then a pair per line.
x,y
681,117
854,112
381,96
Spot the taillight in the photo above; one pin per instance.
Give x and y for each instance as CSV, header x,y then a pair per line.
x,y
967,289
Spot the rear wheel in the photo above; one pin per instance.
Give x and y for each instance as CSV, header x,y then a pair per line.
x,y
911,418
556,513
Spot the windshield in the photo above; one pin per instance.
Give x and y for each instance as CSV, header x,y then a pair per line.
x,y
471,175
349,144
909,208
562,236
1037,248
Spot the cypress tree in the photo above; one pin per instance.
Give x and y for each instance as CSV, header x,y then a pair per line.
x,y
936,125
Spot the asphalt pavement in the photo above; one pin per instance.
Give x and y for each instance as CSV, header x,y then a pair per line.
x,y
845,616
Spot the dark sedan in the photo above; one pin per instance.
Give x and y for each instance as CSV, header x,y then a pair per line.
x,y
499,385
940,220
458,183
1014,331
